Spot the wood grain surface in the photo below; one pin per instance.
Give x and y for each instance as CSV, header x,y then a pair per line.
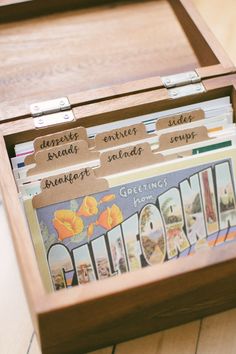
x,y
179,340
212,335
53,55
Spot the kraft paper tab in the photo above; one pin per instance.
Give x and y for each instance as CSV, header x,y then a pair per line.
x,y
121,136
68,186
183,137
56,139
64,137
126,159
62,156
29,159
180,119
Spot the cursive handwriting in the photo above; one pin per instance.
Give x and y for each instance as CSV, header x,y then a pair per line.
x,y
67,178
58,141
121,154
64,152
186,137
120,135
181,120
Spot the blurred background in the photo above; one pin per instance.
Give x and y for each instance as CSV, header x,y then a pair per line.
x,y
220,17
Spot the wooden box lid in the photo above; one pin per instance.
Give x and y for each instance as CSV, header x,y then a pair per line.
x,y
124,47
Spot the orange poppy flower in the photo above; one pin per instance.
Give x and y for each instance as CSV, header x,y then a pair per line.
x,y
107,198
110,217
67,224
88,207
90,230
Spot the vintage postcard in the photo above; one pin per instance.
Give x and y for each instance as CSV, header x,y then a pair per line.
x,y
145,217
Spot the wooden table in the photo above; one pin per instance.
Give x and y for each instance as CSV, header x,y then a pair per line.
x,y
211,335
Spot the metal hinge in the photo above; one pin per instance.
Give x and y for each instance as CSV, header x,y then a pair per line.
x,y
184,84
52,112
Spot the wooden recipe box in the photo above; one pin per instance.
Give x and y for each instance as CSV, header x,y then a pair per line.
x,y
113,61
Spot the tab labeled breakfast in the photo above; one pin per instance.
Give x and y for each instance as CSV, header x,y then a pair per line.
x,y
67,186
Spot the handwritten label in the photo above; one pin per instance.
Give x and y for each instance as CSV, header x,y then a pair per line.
x,y
56,139
68,186
128,158
180,119
67,178
60,138
182,137
63,156
121,154
67,151
120,136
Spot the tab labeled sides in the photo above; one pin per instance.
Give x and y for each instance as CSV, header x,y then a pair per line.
x,y
180,119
